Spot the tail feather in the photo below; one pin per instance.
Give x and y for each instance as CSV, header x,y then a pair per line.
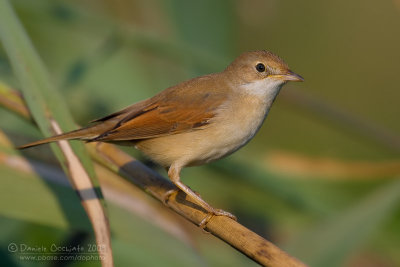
x,y
84,134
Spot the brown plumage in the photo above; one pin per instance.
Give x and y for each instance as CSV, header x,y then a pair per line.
x,y
175,110
196,121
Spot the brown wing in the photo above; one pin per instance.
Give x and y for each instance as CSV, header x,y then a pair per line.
x,y
175,110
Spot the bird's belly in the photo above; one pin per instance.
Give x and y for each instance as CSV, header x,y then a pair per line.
x,y
206,145
187,149
231,138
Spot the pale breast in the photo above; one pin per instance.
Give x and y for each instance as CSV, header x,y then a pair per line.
x,y
238,127
241,118
235,124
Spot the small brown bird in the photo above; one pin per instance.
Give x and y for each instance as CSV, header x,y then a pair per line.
x,y
196,121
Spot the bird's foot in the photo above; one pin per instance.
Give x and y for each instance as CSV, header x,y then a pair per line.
x,y
168,194
212,213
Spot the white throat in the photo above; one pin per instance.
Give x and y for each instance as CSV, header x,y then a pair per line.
x,y
266,88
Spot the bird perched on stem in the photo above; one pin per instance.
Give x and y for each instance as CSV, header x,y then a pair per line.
x,y
196,121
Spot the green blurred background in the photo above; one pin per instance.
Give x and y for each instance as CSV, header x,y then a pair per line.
x,y
320,179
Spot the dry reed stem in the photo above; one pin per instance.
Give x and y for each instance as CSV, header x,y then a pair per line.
x,y
82,183
117,191
300,166
244,240
12,100
228,230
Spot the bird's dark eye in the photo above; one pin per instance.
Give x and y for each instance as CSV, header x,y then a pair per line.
x,y
260,67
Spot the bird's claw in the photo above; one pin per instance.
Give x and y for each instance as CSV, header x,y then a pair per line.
x,y
168,194
212,213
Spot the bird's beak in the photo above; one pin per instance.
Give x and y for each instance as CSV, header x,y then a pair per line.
x,y
289,76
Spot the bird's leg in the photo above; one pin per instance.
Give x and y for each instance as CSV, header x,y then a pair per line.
x,y
170,192
173,174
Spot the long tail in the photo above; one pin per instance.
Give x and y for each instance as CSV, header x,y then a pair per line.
x,y
83,134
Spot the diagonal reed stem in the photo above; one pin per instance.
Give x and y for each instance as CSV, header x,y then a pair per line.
x,y
233,233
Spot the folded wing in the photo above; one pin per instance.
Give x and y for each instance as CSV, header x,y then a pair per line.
x,y
172,111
